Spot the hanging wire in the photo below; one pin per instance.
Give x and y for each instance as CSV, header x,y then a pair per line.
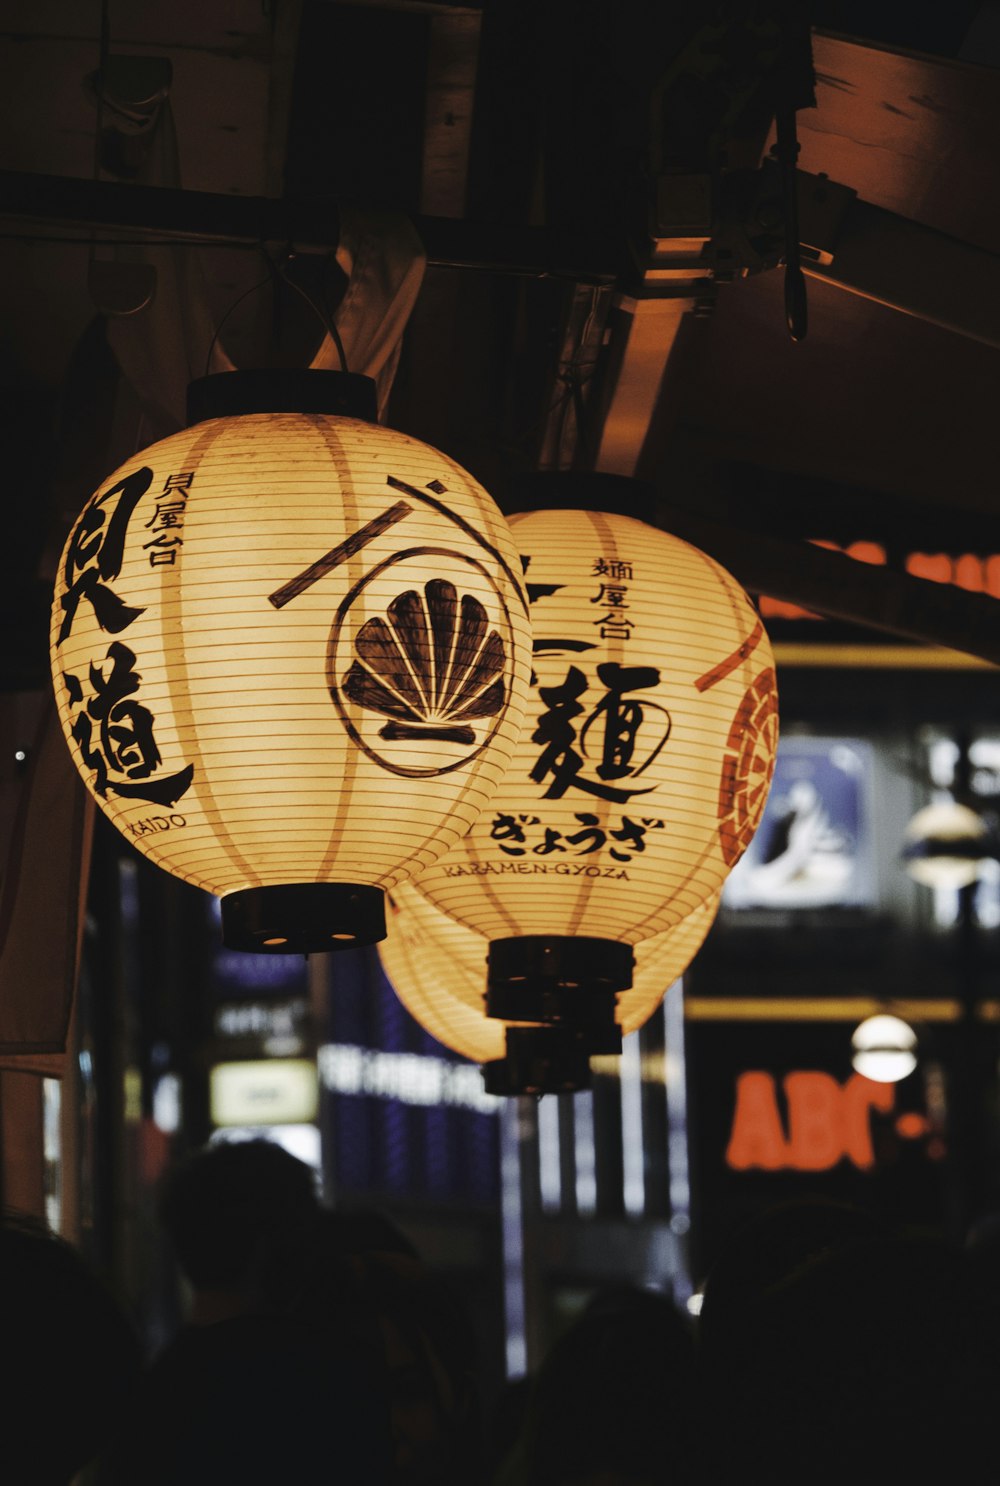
x,y
278,272
234,306
322,312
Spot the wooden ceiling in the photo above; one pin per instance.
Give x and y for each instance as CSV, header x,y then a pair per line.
x,y
518,115
871,399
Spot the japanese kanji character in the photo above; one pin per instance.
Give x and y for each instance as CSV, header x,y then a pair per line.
x,y
122,743
181,481
95,555
167,514
563,764
623,717
613,628
613,595
613,568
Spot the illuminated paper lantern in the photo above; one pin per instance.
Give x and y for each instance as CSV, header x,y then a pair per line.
x,y
290,651
643,764
437,968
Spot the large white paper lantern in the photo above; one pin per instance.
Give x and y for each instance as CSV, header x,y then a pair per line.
x,y
643,765
437,968
290,649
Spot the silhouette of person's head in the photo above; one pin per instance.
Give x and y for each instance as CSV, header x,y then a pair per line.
x,y
838,1349
765,1250
426,1345
241,1217
71,1357
612,1389
867,1349
278,1379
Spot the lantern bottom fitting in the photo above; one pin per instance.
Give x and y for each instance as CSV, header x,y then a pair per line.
x,y
303,918
560,980
539,1060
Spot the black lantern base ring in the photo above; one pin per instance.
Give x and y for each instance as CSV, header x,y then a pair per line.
x,y
303,918
560,980
540,1060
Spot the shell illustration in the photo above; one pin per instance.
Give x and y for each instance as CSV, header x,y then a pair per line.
x,y
432,665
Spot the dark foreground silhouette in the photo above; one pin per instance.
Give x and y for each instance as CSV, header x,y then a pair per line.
x,y
834,1349
71,1358
611,1403
318,1347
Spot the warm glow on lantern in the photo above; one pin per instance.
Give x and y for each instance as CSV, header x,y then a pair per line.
x,y
290,649
437,968
646,755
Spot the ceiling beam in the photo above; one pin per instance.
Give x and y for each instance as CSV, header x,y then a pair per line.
x,y
841,588
313,225
884,257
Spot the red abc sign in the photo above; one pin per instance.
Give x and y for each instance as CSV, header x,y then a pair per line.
x,y
828,1122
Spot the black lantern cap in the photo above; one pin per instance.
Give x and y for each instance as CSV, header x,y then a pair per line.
x,y
539,1060
562,980
303,918
579,490
281,390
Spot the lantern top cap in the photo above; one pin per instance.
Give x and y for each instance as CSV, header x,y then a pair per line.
x,y
580,490
281,390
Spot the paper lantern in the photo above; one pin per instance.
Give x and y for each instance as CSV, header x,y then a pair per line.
x,y
437,968
643,765
290,649
945,845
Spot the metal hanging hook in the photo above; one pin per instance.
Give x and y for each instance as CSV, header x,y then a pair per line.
x,y
786,150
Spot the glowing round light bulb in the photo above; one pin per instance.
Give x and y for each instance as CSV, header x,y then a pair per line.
x,y
884,1049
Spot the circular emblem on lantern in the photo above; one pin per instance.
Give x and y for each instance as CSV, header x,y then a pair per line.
x,y
748,766
419,669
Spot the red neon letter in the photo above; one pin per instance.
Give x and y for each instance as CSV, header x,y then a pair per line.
x,y
861,1095
757,1138
815,1121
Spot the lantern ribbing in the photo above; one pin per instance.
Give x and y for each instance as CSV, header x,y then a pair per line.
x,y
437,969
290,649
644,762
